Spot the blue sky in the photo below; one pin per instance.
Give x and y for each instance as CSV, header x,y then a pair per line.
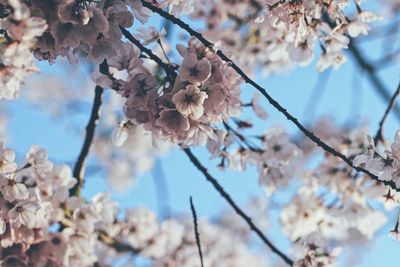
x,y
346,97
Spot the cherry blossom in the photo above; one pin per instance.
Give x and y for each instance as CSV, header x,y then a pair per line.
x,y
153,94
190,101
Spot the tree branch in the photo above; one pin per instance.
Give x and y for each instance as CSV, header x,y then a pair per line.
x,y
169,69
115,244
379,134
196,231
370,70
79,169
232,203
270,99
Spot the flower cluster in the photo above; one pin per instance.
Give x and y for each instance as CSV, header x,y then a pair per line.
x,y
331,201
19,31
281,33
172,242
60,28
205,91
277,159
314,253
35,198
44,222
308,21
384,164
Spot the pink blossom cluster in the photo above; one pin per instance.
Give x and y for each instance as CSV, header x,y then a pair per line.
x,y
331,200
183,107
277,159
19,31
382,161
59,28
44,223
172,242
205,92
35,198
276,34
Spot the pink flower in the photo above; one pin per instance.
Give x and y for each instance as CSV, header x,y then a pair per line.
x,y
190,101
70,12
139,90
140,227
193,70
13,261
150,34
68,35
102,49
140,12
172,121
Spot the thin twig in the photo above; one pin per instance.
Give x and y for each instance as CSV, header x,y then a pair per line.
x,y
372,75
80,166
117,245
196,231
270,99
163,51
232,203
379,134
316,95
169,69
242,138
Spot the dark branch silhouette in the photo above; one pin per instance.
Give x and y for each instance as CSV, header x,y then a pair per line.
x,y
80,166
169,69
196,231
316,96
379,134
372,76
270,99
120,247
232,203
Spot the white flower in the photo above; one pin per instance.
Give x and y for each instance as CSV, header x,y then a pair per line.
x,y
24,213
333,59
37,157
141,225
120,134
257,108
3,226
12,190
178,7
303,52
43,215
85,218
7,157
356,28
364,154
396,146
383,167
106,208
